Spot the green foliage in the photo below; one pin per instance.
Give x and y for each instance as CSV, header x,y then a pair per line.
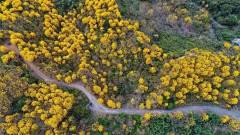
x,y
17,104
125,88
205,20
16,63
160,126
226,12
75,92
130,116
27,74
122,115
63,6
221,89
214,119
238,33
128,7
31,78
137,116
177,45
80,111
229,20
165,124
1,54
103,122
200,130
226,34
170,106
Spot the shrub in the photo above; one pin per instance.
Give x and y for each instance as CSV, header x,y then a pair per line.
x,y
17,104
72,91
230,20
226,12
102,121
122,115
79,111
128,7
226,34
63,6
170,106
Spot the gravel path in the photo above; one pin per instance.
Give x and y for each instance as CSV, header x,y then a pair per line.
x,y
100,108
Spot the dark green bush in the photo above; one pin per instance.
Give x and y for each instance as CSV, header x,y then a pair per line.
x,y
80,111
170,106
72,91
128,8
226,12
27,74
103,122
122,115
229,20
224,34
162,125
17,63
63,6
17,104
1,54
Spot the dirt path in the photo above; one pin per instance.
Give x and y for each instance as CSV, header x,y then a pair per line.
x,y
100,108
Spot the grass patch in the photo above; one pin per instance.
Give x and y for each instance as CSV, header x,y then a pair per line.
x,y
178,45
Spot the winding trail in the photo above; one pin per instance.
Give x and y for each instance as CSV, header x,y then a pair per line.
x,y
96,107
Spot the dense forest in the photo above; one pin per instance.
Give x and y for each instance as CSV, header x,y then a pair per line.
x,y
83,66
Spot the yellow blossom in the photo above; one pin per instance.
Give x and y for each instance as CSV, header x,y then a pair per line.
x,y
227,45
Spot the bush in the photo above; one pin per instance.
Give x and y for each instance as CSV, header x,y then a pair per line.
x,y
226,12
226,34
230,20
1,54
17,104
162,125
79,111
63,6
128,7
122,115
170,106
72,91
16,63
103,122
31,78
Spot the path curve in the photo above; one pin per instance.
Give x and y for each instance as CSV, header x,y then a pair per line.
x,y
96,107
